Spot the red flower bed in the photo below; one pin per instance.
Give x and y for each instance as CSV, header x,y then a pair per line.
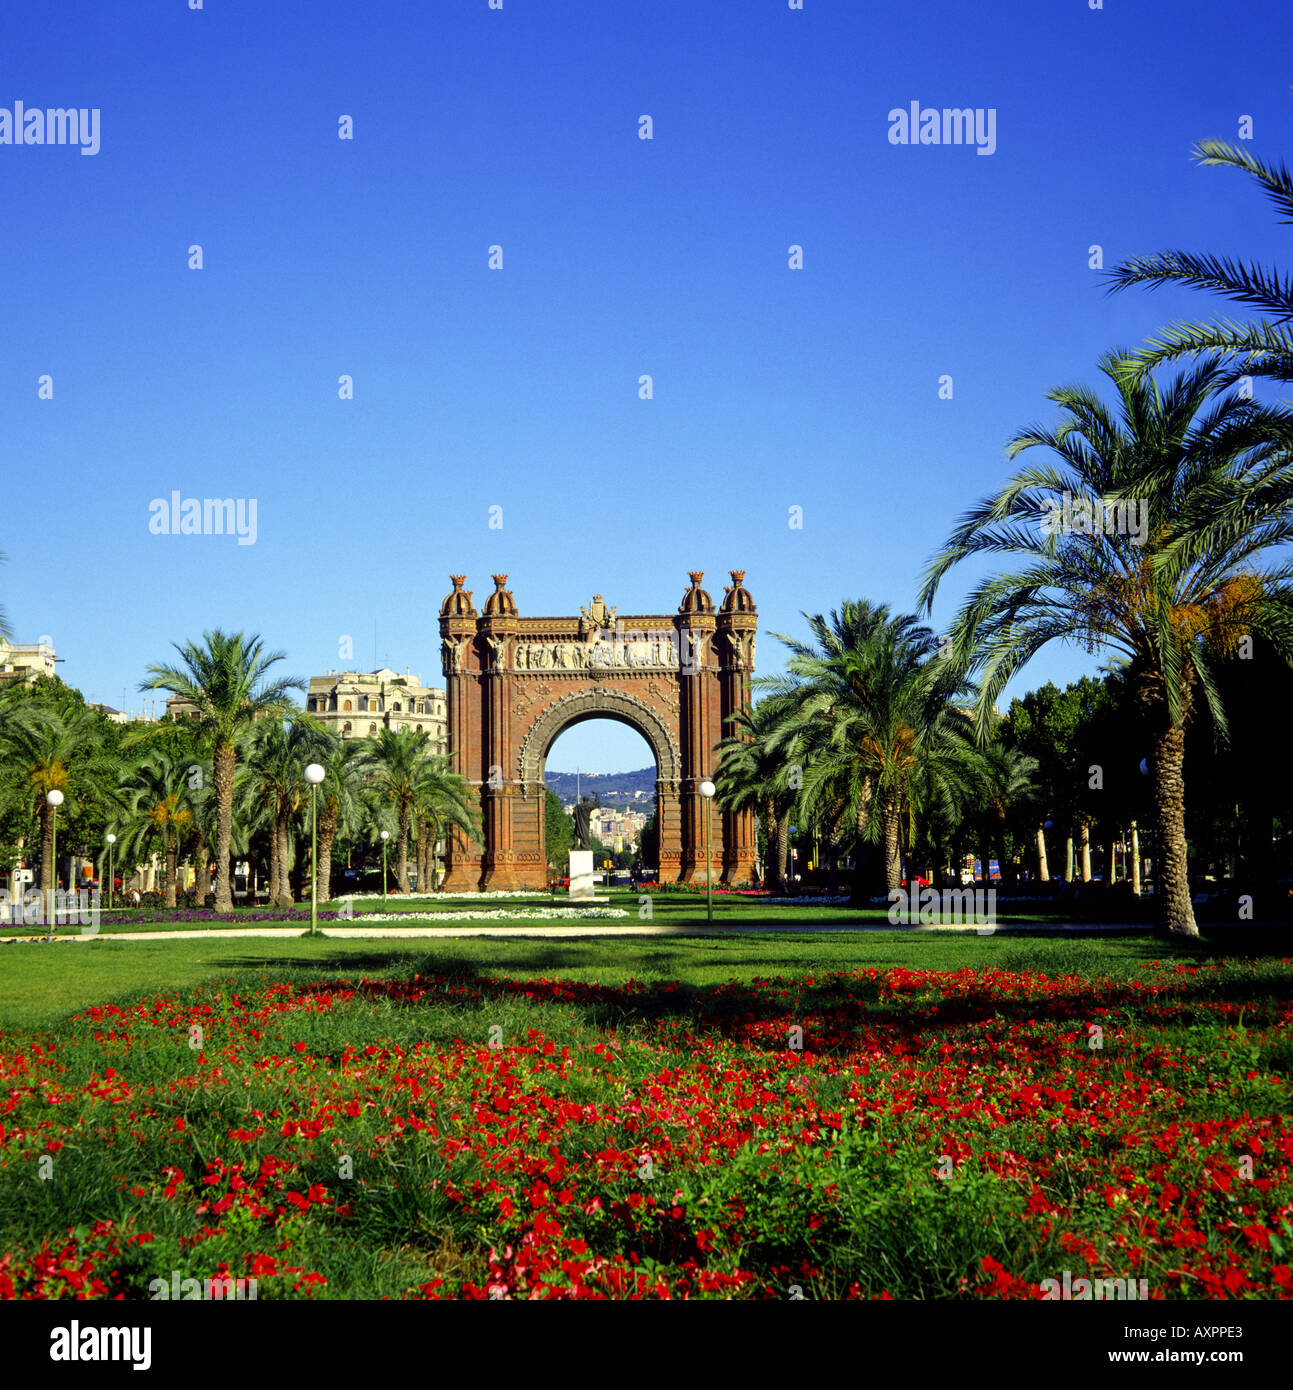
x,y
864,1134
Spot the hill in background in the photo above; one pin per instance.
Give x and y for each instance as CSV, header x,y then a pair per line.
x,y
620,789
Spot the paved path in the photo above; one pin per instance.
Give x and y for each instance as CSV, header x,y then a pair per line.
x,y
578,930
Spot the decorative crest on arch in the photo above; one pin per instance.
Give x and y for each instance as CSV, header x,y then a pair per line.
x,y
500,604
458,604
696,600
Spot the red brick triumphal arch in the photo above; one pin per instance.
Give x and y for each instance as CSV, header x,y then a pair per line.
x,y
514,683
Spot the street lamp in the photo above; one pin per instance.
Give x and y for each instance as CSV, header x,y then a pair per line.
x,y
707,790
54,799
386,835
314,775
112,840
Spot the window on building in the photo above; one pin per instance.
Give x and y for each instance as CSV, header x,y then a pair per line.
x,y
346,729
372,728
346,706
396,705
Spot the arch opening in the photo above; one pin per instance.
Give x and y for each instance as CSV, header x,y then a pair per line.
x,y
608,761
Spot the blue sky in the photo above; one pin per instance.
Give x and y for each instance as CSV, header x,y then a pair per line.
x,y
518,388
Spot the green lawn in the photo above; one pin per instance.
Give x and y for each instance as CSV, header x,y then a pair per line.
x,y
918,1115
671,909
41,985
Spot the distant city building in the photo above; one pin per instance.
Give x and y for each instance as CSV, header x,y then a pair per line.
x,y
355,704
121,716
616,827
177,707
25,661
358,703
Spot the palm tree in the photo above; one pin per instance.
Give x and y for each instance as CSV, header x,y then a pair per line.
x,y
875,722
274,786
269,792
1010,778
206,828
54,746
397,757
755,776
341,800
180,747
1263,348
224,681
445,801
157,813
1172,590
6,632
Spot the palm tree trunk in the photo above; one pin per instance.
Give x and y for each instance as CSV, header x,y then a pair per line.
x,y
172,853
1068,860
891,826
1135,860
403,869
770,844
860,894
203,864
1085,834
272,894
1174,910
283,891
225,766
1043,866
327,833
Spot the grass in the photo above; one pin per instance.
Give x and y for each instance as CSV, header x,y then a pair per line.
x,y
667,909
40,985
641,1124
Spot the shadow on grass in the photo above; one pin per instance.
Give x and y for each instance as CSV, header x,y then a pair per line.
x,y
839,1006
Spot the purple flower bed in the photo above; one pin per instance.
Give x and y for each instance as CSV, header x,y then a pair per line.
x,y
127,917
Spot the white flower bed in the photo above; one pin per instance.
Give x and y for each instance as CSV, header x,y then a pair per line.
x,y
497,914
441,897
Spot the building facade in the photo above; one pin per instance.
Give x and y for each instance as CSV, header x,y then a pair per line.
x,y
25,661
355,704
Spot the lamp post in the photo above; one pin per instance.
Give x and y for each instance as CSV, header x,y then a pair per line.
x,y
386,835
111,840
314,775
707,790
53,799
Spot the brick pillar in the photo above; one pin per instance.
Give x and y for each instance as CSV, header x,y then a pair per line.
x,y
700,715
735,644
498,629
668,819
461,668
